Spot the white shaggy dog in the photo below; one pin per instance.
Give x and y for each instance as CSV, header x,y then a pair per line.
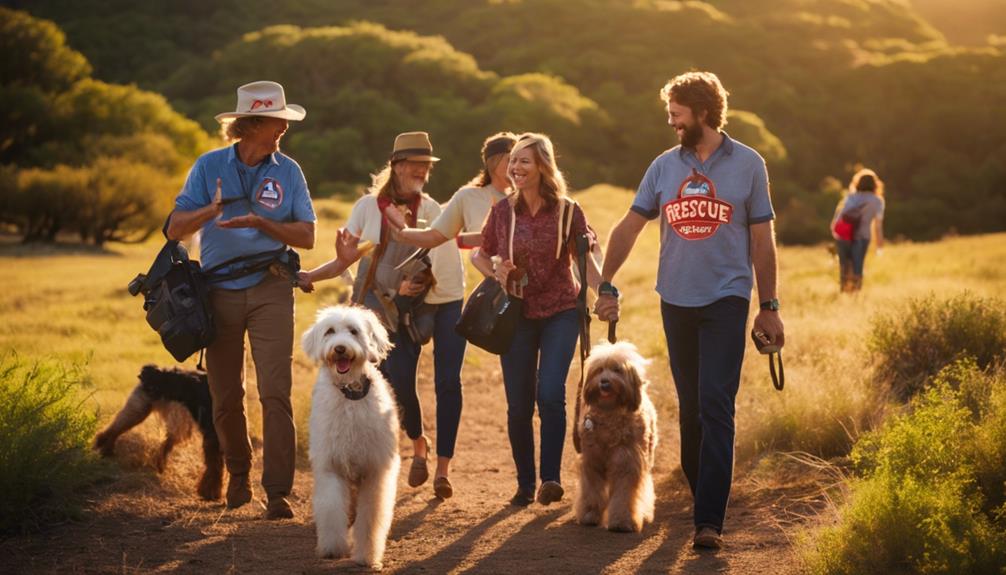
x,y
354,435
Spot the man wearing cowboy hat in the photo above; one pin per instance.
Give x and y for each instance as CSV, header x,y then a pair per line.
x,y
249,199
400,184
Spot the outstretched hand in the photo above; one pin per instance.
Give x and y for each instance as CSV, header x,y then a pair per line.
x,y
347,246
245,221
304,282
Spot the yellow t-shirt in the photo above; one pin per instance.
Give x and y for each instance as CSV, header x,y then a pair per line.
x,y
466,210
365,223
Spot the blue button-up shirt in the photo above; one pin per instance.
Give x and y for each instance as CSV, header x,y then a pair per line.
x,y
274,189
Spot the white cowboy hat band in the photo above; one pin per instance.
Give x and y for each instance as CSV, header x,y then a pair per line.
x,y
264,99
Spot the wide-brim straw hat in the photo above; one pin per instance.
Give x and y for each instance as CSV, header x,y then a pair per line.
x,y
264,99
413,146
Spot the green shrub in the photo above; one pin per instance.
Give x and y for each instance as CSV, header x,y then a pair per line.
x,y
896,525
989,452
912,344
923,504
45,434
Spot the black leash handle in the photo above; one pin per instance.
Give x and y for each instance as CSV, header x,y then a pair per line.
x,y
778,381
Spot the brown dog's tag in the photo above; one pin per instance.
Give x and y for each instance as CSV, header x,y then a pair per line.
x,y
588,424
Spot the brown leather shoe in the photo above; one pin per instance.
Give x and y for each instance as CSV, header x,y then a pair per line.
x,y
549,492
278,508
442,488
707,538
238,491
419,472
522,498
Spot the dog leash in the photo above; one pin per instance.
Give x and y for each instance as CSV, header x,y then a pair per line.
x,y
777,381
774,353
582,244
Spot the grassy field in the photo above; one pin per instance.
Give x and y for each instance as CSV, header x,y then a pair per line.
x,y
71,303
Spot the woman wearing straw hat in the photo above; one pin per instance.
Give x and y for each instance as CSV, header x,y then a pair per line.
x,y
523,234
467,209
383,283
249,199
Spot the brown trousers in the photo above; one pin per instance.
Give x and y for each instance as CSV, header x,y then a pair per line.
x,y
265,312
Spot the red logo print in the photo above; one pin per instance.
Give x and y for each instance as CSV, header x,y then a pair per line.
x,y
696,214
261,104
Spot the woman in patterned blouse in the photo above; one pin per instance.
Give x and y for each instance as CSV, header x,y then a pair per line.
x,y
536,268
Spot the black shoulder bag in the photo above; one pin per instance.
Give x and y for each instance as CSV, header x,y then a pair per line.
x,y
176,299
489,317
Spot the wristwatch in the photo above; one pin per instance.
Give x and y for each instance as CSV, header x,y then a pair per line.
x,y
607,289
770,305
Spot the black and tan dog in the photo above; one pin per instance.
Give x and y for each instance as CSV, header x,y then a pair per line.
x,y
182,400
618,435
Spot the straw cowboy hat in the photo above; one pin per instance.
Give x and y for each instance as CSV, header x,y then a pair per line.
x,y
264,99
413,146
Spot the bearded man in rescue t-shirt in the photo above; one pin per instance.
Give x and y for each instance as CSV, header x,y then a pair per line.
x,y
711,195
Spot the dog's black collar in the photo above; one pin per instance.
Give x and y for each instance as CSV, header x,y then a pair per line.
x,y
355,395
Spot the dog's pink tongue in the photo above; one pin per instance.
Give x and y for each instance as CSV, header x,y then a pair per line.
x,y
342,365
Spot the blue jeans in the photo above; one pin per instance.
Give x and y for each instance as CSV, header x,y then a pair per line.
x,y
535,368
706,348
448,355
852,254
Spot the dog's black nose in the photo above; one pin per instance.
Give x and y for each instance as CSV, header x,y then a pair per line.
x,y
605,385
340,349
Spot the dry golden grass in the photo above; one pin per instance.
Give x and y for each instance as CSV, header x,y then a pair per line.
x,y
72,303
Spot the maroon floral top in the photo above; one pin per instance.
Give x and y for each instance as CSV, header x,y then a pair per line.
x,y
550,286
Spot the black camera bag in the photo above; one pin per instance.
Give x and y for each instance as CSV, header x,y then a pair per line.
x,y
176,299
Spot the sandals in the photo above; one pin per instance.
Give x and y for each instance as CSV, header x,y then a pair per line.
x,y
442,488
419,472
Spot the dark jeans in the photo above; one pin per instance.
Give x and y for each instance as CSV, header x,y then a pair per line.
x,y
535,368
706,349
852,254
448,355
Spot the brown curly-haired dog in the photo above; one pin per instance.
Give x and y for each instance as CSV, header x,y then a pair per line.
x,y
618,436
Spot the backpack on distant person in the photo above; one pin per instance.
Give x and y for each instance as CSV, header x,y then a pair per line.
x,y
845,226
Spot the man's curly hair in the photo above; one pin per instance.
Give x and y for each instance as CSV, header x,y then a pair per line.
x,y
700,91
239,128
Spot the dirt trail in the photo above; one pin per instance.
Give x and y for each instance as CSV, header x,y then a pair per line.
x,y
145,524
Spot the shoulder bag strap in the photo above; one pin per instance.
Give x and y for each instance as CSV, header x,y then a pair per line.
x,y
374,258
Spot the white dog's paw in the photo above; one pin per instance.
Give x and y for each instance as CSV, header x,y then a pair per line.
x,y
373,564
333,550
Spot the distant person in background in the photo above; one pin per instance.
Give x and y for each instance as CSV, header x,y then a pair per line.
x,y
467,209
434,295
856,215
535,266
711,195
248,199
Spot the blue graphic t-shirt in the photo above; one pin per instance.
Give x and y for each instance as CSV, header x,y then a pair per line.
x,y
705,211
274,189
